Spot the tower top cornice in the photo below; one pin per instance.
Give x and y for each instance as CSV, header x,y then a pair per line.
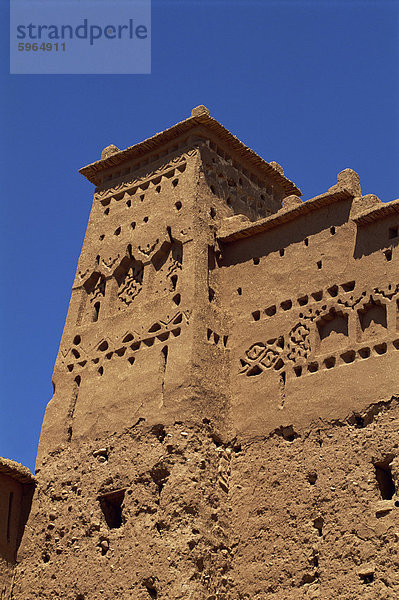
x,y
204,125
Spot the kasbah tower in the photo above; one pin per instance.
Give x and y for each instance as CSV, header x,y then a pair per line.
x,y
224,424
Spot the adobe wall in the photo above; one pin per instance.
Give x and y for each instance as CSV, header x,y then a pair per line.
x,y
314,317
225,414
132,308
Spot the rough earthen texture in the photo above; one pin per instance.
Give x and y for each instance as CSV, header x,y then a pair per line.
x,y
225,411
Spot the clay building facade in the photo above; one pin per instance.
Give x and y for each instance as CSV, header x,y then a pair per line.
x,y
225,409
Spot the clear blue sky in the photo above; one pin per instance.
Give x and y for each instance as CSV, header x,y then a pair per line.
x,y
313,85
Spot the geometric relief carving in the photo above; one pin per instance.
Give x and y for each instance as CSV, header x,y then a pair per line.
x,y
260,357
328,328
175,166
129,276
167,261
276,353
95,286
127,347
298,345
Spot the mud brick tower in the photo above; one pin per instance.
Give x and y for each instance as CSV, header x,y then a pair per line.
x,y
224,424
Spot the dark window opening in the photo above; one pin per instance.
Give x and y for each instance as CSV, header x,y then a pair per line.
x,y
111,506
385,482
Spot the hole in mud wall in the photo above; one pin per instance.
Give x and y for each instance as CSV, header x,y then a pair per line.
x,y
318,524
282,252
303,300
239,291
333,290
178,205
256,315
177,299
332,230
111,506
348,356
388,255
173,280
319,264
366,577
380,348
373,318
384,479
364,352
164,353
175,182
149,585
96,311
330,362
349,286
306,241
286,305
211,294
256,260
76,340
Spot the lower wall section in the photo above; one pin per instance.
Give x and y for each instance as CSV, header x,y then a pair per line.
x,y
178,512
316,514
138,515
6,575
